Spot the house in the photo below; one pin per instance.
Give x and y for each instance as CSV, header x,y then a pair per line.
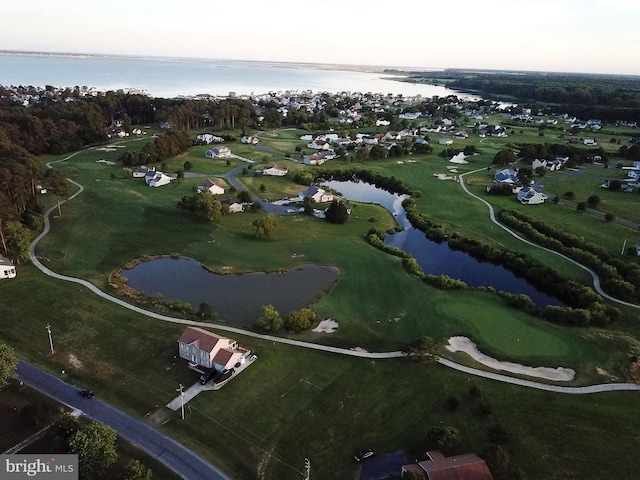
x,y
369,140
141,171
233,205
590,141
158,179
208,138
319,144
317,194
218,152
508,175
214,186
306,138
315,159
459,467
538,163
530,196
249,140
382,123
275,171
7,268
205,349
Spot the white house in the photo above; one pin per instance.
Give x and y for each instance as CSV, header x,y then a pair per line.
x,y
158,179
275,171
205,349
306,138
508,175
249,140
208,138
214,186
233,205
382,123
218,152
590,141
141,171
319,144
315,159
7,268
538,163
369,140
317,194
529,196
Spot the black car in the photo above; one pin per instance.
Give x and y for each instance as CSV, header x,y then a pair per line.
x,y
207,376
223,376
363,455
86,393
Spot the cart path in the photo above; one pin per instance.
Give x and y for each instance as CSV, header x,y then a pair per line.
x,y
312,346
492,216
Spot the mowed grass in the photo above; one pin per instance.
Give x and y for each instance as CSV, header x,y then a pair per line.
x,y
293,403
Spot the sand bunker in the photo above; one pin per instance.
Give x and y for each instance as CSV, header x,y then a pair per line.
x,y
443,176
459,158
328,325
463,344
106,162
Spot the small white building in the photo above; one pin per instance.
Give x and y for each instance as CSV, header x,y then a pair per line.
x,y
7,268
275,171
218,152
317,194
214,186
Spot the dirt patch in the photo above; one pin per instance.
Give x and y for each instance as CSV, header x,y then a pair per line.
x,y
75,363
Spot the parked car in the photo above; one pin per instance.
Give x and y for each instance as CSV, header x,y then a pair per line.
x,y
363,455
86,393
207,376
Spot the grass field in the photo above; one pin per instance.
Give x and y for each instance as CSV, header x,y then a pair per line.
x,y
293,403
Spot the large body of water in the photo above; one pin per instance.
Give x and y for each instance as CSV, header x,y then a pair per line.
x,y
171,77
437,258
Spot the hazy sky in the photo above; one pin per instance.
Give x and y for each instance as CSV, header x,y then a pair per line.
x,y
555,35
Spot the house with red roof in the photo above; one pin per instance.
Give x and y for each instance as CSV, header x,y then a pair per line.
x,y
202,348
459,467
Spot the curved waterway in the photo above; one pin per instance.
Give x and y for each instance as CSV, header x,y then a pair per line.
x,y
237,299
437,258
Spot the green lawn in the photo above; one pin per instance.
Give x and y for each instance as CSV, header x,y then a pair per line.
x,y
293,403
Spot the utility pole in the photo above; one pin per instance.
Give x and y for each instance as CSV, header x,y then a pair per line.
x,y
307,467
50,338
181,390
623,246
2,237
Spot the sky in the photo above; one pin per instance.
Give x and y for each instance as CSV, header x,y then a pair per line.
x,y
595,36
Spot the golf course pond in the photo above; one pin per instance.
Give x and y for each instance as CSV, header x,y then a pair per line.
x,y
437,258
236,298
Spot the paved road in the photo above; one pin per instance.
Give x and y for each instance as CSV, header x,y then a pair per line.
x,y
492,216
171,453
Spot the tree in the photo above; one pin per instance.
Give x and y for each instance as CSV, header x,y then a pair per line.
x,y
337,212
18,240
504,157
609,217
270,320
581,207
187,166
136,470
244,196
593,201
204,310
540,171
443,438
8,364
569,195
266,226
300,320
424,348
95,445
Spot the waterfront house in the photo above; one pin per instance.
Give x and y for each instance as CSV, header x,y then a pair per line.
x,y
205,349
214,186
7,268
317,194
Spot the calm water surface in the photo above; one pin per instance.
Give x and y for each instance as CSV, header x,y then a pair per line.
x,y
437,258
171,77
237,299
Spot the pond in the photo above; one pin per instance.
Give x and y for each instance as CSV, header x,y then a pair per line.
x,y
236,299
437,258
